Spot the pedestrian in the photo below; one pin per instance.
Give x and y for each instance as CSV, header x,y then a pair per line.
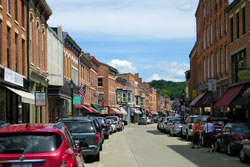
x,y
196,135
209,135
56,120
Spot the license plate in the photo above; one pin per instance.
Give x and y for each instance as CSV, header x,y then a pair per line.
x,y
22,165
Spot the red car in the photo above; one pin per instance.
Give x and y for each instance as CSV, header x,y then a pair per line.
x,y
38,145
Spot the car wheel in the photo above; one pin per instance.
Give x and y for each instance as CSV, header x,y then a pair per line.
x,y
97,157
187,136
101,147
243,157
229,149
216,147
106,136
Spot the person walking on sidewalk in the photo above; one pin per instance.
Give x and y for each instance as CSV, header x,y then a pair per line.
x,y
196,135
209,138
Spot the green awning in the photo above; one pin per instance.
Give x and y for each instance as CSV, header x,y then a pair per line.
x,y
96,107
156,113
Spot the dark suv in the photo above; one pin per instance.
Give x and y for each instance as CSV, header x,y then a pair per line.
x,y
86,134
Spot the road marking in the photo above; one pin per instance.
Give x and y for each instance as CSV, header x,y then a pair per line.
x,y
225,159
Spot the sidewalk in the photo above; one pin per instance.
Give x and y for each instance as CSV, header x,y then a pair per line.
x,y
116,152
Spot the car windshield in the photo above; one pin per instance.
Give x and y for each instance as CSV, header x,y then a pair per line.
x,y
114,118
80,127
26,143
199,119
240,128
141,119
218,123
101,120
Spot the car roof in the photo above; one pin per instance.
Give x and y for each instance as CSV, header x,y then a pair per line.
x,y
37,127
85,119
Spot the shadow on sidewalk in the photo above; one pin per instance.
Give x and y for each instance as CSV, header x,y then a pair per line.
x,y
156,132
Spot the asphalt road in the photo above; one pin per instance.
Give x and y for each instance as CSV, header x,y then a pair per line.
x,y
145,146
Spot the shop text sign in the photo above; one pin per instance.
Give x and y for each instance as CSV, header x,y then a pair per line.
x,y
244,74
212,85
40,99
13,77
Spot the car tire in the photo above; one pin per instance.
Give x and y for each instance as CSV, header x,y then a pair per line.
x,y
97,156
187,136
243,157
229,149
106,136
101,147
216,147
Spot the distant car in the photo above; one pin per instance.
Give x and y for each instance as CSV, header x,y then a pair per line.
x,y
118,122
85,132
175,128
28,145
231,136
245,151
169,123
149,120
112,124
142,121
105,126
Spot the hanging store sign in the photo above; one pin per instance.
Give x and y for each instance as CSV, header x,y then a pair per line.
x,y
202,86
40,99
244,74
212,85
13,77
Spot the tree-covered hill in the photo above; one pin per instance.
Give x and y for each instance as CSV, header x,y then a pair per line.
x,y
169,89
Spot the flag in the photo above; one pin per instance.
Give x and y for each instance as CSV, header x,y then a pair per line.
x,y
82,92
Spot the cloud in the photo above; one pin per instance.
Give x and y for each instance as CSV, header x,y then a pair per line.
x,y
173,71
123,66
142,19
185,7
158,77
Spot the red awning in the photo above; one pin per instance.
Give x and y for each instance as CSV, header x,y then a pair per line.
x,y
228,96
150,112
94,110
83,106
114,111
194,103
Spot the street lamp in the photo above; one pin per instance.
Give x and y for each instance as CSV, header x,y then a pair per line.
x,y
71,86
183,104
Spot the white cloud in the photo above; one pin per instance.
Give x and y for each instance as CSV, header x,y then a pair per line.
x,y
147,19
123,66
173,71
185,7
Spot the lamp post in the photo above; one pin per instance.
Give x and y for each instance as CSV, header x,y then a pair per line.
x,y
183,103
71,86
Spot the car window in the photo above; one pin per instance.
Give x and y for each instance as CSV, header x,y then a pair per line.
x,y
219,123
101,120
240,128
80,127
114,118
69,138
27,143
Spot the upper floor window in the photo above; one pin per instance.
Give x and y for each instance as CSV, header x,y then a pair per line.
x,y
37,44
226,57
22,11
8,47
75,76
16,10
231,29
211,34
243,20
8,6
100,82
216,29
225,24
237,25
221,26
212,66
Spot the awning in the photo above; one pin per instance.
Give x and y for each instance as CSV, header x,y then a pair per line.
x,y
156,113
228,96
115,111
124,112
93,109
26,97
83,106
150,112
197,99
96,107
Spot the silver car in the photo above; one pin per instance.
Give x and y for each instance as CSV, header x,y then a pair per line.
x,y
175,128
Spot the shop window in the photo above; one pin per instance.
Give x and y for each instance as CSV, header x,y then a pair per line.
x,y
238,64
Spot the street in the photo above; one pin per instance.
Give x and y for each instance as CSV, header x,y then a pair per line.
x,y
145,146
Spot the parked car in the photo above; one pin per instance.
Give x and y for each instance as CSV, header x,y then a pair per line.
x,y
105,126
245,151
170,121
175,128
99,126
187,127
218,122
85,132
231,136
118,122
159,121
38,145
112,124
142,121
149,120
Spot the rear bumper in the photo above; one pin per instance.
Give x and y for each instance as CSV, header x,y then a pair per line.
x,y
90,151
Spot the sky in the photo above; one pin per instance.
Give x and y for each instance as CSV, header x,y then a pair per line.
x,y
149,37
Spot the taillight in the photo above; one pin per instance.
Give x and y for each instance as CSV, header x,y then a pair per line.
x,y
97,137
238,137
67,161
105,124
101,132
175,127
